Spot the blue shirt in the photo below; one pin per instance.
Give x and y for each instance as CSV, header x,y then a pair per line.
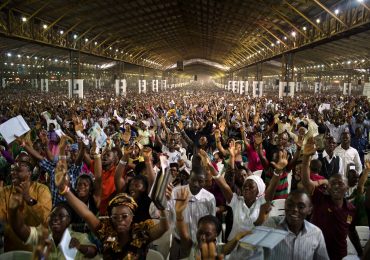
x,y
73,172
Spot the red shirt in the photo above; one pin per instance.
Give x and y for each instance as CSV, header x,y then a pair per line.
x,y
334,222
108,188
254,162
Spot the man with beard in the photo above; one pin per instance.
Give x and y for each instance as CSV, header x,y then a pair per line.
x,y
304,240
36,201
201,203
332,213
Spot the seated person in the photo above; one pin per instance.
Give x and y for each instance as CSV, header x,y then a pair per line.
x,y
59,221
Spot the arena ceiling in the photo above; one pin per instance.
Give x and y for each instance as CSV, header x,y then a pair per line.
x,y
158,33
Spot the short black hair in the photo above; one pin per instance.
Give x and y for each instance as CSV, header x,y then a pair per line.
x,y
142,178
66,206
213,220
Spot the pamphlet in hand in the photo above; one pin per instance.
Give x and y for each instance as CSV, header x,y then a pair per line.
x,y
96,133
15,126
69,253
265,237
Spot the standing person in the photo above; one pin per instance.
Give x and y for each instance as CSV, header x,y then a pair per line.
x,y
330,163
332,213
201,203
348,153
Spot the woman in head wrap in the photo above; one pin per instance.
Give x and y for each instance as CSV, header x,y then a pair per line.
x,y
120,237
255,197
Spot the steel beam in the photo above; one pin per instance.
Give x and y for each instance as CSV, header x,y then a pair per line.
x,y
302,15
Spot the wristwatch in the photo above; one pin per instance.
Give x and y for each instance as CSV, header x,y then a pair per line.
x,y
31,202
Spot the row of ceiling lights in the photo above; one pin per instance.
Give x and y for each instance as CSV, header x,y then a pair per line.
x,y
75,36
293,34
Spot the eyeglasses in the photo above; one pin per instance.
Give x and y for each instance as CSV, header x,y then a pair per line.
x,y
120,217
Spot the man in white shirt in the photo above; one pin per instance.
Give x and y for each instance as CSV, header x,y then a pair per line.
x,y
201,203
347,153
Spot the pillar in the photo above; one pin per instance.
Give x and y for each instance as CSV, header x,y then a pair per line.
x,y
155,85
76,87
120,87
286,83
142,86
44,85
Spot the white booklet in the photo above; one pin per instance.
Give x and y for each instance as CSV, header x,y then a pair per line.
x,y
69,253
14,126
265,237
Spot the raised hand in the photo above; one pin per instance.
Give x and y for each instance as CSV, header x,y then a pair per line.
x,y
147,153
232,148
222,125
182,198
258,139
283,161
310,147
203,154
180,125
217,134
61,177
169,189
208,251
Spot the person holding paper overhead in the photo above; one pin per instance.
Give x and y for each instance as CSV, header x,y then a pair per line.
x,y
120,237
66,244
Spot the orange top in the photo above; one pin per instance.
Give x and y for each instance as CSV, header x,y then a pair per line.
x,y
108,188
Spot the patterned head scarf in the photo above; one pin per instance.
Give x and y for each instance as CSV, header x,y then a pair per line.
x,y
122,199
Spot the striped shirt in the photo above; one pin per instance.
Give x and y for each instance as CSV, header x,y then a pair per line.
x,y
308,244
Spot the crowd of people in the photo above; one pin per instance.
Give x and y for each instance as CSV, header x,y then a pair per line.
x,y
87,170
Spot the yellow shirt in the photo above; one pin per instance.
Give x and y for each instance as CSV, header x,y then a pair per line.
x,y
33,215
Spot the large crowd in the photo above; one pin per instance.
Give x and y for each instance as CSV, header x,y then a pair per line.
x,y
190,173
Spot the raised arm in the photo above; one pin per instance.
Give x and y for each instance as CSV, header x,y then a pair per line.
x,y
182,198
98,175
221,182
363,178
119,180
279,167
259,149
308,151
62,182
150,174
218,142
